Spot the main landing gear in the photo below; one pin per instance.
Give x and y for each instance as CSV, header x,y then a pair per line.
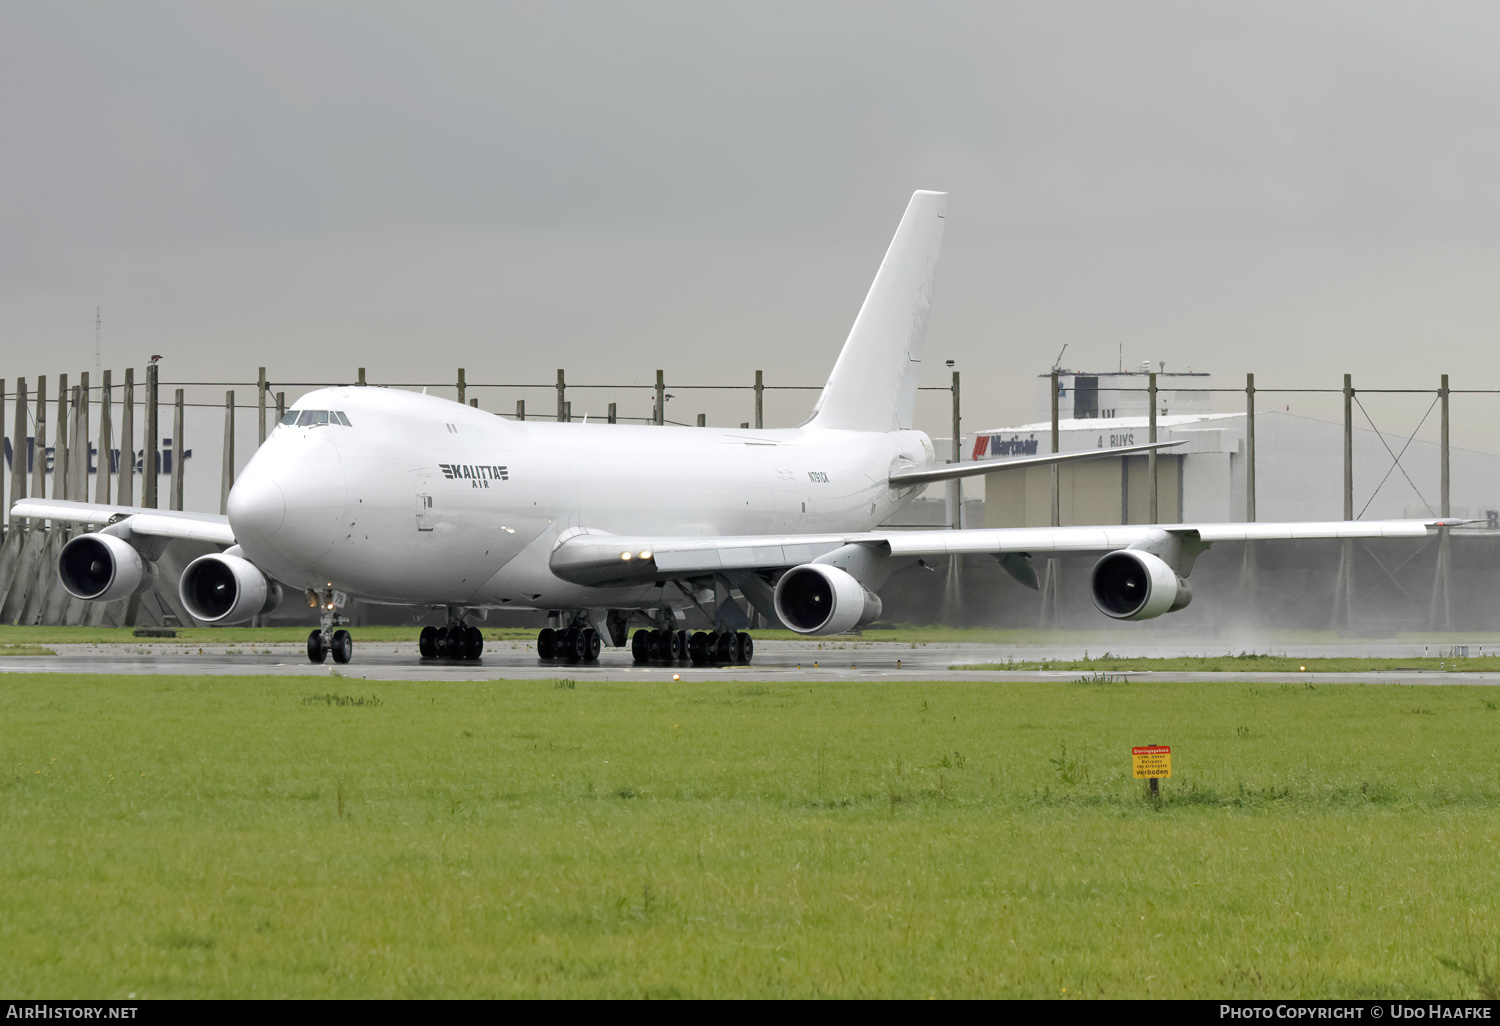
x,y
700,647
458,641
576,644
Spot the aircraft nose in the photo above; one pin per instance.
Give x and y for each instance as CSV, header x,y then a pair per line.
x,y
257,508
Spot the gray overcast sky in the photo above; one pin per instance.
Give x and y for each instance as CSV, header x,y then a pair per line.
x,y
1296,189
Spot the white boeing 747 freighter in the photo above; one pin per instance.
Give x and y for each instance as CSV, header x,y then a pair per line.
x,y
394,497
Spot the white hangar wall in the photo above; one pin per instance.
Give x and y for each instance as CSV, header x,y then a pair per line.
x,y
1299,472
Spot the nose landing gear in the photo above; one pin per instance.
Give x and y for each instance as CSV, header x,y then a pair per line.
x,y
325,640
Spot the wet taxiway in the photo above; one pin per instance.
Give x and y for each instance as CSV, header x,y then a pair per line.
x,y
830,660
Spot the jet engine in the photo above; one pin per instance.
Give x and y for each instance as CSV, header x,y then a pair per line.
x,y
226,589
819,599
1132,585
103,567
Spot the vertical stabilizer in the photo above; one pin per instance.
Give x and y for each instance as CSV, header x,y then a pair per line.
x,y
873,386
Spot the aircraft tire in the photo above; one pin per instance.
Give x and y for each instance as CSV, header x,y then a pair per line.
x,y
726,648
343,646
593,645
427,642
745,646
546,643
711,647
473,643
640,646
674,644
698,648
682,646
572,645
315,650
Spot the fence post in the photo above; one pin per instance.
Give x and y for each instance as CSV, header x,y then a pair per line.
x,y
562,388
226,481
280,406
175,497
149,468
125,482
1249,449
703,420
78,448
612,419
106,440
361,382
661,398
760,394
260,402
1153,517
20,451
60,457
39,447
520,409
84,434
461,388
1348,447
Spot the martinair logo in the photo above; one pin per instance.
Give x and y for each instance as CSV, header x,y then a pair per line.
x,y
478,476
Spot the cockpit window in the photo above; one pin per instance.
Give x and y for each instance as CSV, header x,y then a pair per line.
x,y
314,418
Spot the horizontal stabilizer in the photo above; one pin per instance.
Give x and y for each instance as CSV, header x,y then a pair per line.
x,y
949,471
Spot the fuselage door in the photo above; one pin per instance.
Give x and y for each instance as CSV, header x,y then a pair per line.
x,y
424,504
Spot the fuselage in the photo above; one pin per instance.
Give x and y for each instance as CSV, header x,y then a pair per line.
x,y
413,499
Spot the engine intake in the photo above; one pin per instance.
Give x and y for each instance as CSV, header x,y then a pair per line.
x,y
1134,585
226,589
102,568
818,599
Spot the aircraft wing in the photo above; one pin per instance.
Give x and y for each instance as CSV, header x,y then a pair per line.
x,y
969,468
607,559
161,523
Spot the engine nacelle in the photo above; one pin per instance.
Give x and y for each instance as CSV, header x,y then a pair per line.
x,y
226,589
818,599
102,568
1132,585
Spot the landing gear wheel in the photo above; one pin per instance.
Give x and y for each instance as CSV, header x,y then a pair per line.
x,y
444,643
725,649
746,648
572,645
592,645
640,646
427,643
546,643
473,643
343,647
675,652
315,650
698,648
682,646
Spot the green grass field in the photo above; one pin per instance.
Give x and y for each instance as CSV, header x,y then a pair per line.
x,y
206,837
